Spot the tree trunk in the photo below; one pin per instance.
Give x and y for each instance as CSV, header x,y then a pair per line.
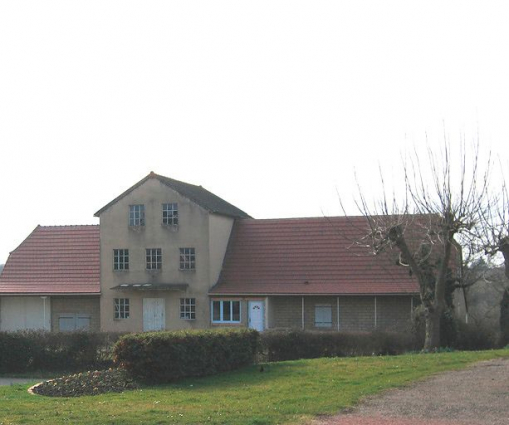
x,y
432,338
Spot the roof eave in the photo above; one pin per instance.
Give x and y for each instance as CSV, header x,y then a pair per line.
x,y
313,294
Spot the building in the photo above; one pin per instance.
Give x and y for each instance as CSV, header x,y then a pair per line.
x,y
171,255
52,281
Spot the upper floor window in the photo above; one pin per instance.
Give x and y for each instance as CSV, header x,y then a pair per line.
x,y
170,214
187,259
154,258
120,259
121,308
136,215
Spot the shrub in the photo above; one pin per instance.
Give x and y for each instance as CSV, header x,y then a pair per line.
x,y
475,337
280,345
15,352
27,351
158,357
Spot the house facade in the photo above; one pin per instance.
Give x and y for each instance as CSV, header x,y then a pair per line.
x,y
171,255
52,281
162,248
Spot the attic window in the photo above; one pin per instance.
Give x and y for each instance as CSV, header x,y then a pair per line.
x,y
170,214
136,215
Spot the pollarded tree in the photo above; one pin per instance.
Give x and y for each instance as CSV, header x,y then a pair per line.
x,y
440,206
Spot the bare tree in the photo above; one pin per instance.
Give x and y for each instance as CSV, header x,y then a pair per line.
x,y
442,197
492,234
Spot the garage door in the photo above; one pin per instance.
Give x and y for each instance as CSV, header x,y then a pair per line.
x,y
23,313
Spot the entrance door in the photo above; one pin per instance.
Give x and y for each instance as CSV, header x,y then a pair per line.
x,y
256,315
153,314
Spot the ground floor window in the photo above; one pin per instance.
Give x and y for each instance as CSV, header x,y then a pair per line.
x,y
323,316
68,322
226,311
121,308
188,308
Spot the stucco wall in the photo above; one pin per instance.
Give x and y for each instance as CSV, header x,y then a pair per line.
x,y
220,228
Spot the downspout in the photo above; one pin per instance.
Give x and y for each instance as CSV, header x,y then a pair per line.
x,y
375,315
337,311
44,313
267,313
302,313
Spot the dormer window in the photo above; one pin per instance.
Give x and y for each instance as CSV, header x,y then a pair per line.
x,y
170,214
136,215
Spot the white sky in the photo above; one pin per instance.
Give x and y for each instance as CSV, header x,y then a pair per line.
x,y
269,104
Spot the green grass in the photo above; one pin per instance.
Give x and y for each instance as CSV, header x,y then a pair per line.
x,y
286,392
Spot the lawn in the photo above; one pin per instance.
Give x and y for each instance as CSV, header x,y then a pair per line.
x,y
286,392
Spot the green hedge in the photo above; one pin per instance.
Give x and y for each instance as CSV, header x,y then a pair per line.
x,y
158,357
28,351
280,345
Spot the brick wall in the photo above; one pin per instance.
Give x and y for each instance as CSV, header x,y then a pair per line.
x,y
77,305
355,313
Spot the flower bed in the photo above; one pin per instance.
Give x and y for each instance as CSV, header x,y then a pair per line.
x,y
86,383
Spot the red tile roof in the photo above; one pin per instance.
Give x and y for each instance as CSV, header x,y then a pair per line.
x,y
54,260
308,256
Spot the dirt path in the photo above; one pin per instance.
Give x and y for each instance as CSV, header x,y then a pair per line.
x,y
478,395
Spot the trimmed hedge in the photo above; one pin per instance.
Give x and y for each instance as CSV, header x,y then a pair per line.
x,y
280,345
159,357
28,351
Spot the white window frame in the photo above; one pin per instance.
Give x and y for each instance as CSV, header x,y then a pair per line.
x,y
154,258
187,259
121,308
188,308
137,215
221,311
323,323
170,214
120,259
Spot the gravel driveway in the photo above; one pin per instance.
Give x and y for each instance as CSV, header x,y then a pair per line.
x,y
478,395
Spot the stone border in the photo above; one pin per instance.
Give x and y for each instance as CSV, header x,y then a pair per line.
x,y
33,387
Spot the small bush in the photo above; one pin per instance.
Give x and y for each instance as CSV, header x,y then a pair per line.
x,y
280,345
28,351
158,357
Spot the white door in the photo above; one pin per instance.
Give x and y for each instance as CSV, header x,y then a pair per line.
x,y
153,314
256,315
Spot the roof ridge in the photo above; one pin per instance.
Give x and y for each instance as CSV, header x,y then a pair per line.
x,y
66,225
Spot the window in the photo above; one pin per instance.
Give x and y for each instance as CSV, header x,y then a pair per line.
x,y
187,259
69,322
136,215
120,259
154,258
226,311
323,316
121,308
170,214
188,308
